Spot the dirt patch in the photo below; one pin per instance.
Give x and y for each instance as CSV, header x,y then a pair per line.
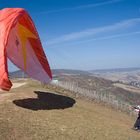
x,y
16,85
8,93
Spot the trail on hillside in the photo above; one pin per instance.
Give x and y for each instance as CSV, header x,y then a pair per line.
x,y
5,94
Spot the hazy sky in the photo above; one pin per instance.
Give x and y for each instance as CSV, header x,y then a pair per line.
x,y
86,34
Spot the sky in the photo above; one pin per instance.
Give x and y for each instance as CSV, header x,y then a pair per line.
x,y
85,34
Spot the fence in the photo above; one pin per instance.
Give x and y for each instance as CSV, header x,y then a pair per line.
x,y
103,95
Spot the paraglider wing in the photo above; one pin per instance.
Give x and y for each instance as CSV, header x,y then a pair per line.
x,y
19,41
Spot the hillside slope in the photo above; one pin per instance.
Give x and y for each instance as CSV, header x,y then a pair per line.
x,y
33,112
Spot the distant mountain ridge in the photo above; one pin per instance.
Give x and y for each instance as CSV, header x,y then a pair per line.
x,y
69,72
115,70
20,73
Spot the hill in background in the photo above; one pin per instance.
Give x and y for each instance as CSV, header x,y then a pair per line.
x,y
125,75
100,83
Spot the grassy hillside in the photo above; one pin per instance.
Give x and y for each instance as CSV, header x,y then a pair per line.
x,y
35,113
102,86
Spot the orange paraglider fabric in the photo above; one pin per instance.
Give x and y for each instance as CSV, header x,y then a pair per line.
x,y
19,41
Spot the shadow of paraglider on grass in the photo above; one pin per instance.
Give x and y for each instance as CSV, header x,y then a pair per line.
x,y
45,101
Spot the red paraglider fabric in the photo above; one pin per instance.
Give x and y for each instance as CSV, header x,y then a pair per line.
x,y
19,41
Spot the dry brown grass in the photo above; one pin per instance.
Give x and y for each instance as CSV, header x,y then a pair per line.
x,y
82,121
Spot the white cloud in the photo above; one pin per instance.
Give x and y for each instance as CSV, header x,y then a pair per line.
x,y
109,37
93,31
99,38
81,7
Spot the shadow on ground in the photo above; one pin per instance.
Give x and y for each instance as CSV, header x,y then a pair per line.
x,y
45,101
